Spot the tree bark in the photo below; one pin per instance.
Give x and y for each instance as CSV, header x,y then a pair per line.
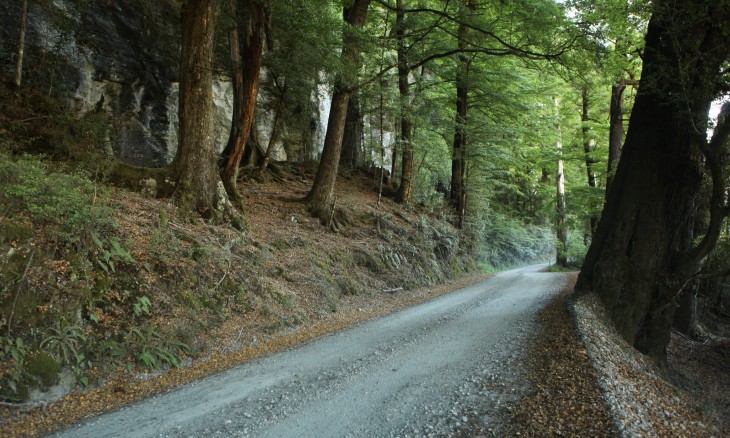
x,y
320,199
352,151
588,144
458,161
406,125
199,187
616,130
642,256
561,230
21,45
245,85
275,131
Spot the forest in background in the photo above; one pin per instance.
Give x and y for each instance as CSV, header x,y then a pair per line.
x,y
506,118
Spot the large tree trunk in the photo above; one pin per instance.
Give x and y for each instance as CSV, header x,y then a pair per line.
x,y
320,199
21,45
406,124
588,145
458,160
275,131
199,187
642,254
247,65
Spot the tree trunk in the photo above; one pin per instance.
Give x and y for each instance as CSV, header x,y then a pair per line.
x,y
642,255
275,131
320,199
352,137
616,130
406,124
561,230
199,187
458,161
21,45
245,85
588,144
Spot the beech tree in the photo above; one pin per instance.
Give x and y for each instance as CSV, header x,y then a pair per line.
x,y
320,199
246,42
199,187
643,254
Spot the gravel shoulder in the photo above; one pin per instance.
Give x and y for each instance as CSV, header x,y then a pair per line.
x,y
422,371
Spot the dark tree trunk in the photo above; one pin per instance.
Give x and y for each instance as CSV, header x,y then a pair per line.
x,y
21,45
458,160
588,149
352,150
642,255
616,130
320,199
249,34
199,187
561,228
406,125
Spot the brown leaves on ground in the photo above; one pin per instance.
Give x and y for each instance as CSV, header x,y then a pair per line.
x,y
566,399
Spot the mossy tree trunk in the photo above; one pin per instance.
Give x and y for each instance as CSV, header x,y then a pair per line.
x,y
643,254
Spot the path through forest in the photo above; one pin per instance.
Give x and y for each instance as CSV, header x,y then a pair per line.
x,y
421,371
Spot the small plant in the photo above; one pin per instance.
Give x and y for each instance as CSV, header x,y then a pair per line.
x,y
142,306
109,253
153,351
64,343
14,351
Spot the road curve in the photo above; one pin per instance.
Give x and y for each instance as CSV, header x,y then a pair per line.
x,y
417,372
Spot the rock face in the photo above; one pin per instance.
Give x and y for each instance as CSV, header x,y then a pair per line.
x,y
121,57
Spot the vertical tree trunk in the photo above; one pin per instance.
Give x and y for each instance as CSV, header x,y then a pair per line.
x,y
406,129
642,255
320,199
458,161
246,78
21,45
275,131
352,137
588,144
199,187
561,230
616,130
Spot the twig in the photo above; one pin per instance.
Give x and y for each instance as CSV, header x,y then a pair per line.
x,y
17,293
220,281
393,290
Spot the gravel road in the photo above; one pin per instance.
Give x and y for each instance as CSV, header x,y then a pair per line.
x,y
423,371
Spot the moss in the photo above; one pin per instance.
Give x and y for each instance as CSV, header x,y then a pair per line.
x,y
44,368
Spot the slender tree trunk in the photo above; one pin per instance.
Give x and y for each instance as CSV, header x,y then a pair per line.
x,y
616,130
320,199
561,258
642,255
275,131
21,45
199,187
246,83
588,144
406,125
458,161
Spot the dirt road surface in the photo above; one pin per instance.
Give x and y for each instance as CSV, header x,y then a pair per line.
x,y
423,371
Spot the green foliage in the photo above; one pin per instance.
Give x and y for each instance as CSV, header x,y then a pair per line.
x,y
44,368
152,350
13,351
65,343
70,207
505,242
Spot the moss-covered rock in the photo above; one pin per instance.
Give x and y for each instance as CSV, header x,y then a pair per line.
x,y
44,368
